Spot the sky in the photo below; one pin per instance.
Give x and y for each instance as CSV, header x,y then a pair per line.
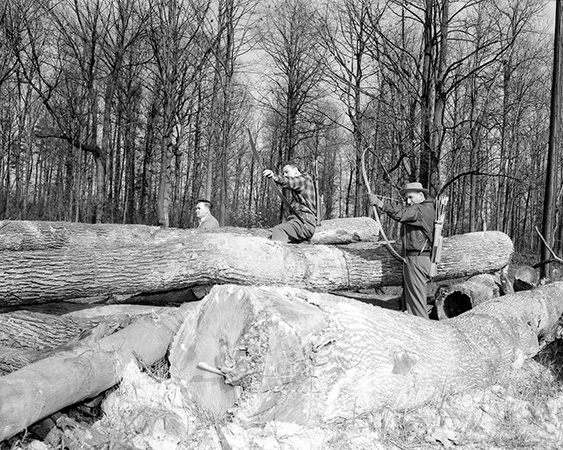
x,y
550,11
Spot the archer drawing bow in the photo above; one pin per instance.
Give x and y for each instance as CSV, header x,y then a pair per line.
x,y
375,214
276,188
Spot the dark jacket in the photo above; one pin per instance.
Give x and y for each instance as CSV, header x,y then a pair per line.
x,y
417,224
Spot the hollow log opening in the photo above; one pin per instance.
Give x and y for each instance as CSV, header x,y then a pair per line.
x,y
456,303
455,299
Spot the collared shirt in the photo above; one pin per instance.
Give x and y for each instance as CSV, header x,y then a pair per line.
x,y
417,224
208,222
302,188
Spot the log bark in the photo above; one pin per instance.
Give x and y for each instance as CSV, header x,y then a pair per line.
x,y
285,354
45,387
102,272
331,232
37,331
28,336
457,298
25,235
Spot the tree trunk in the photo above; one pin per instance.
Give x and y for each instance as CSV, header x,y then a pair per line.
x,y
38,331
45,387
28,336
181,259
285,354
330,232
18,235
457,298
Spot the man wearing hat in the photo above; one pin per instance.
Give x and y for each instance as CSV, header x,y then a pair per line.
x,y
417,219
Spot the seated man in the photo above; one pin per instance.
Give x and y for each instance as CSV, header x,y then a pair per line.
x,y
203,213
302,221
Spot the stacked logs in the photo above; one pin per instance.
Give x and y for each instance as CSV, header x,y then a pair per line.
x,y
47,263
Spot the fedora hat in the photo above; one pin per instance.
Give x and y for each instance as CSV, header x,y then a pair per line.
x,y
413,187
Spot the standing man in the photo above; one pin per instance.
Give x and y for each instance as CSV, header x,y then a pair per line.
x,y
203,213
417,225
302,221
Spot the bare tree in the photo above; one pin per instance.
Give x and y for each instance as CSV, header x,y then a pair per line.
x,y
345,37
290,38
66,84
229,42
123,52
180,49
10,37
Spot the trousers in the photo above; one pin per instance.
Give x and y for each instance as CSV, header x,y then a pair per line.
x,y
416,274
293,230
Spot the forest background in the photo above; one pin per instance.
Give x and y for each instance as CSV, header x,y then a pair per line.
x,y
128,111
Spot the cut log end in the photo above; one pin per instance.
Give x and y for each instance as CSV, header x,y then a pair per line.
x,y
253,342
454,303
455,299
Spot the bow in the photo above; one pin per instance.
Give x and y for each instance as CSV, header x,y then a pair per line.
x,y
376,215
384,169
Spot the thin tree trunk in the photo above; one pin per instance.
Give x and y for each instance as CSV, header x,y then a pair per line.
x,y
554,139
146,179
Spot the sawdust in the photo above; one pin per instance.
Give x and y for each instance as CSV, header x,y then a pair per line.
x,y
159,415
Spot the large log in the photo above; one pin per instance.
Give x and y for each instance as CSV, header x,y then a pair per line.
x,y
45,387
22,235
455,299
87,270
266,354
331,232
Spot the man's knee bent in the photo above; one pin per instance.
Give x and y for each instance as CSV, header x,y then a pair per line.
x,y
279,234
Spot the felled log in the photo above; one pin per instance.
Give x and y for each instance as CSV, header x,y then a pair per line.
x,y
38,331
22,235
330,232
525,278
457,298
28,336
88,270
285,354
44,387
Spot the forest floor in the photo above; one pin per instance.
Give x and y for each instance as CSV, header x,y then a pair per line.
x,y
146,411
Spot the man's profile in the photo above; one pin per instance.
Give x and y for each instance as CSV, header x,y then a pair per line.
x,y
203,213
